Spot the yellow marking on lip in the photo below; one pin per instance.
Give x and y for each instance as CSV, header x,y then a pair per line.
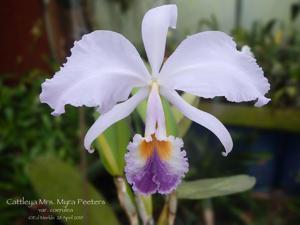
x,y
163,148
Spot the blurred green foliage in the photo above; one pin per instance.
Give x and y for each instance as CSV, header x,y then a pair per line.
x,y
26,124
48,176
28,130
214,187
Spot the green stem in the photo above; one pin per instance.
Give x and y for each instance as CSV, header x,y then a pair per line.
x,y
168,214
145,216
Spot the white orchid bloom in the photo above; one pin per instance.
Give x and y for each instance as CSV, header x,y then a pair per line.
x,y
104,67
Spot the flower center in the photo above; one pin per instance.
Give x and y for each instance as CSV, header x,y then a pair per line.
x,y
162,148
154,84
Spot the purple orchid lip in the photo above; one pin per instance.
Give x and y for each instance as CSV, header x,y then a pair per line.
x,y
155,176
155,166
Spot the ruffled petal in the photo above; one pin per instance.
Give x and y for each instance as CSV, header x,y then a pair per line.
x,y
155,27
208,64
205,119
89,76
117,113
155,166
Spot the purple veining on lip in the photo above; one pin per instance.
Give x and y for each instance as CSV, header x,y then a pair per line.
x,y
155,176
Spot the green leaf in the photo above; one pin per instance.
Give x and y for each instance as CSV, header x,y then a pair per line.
x,y
147,201
123,136
107,156
183,126
112,145
55,180
208,188
142,109
171,125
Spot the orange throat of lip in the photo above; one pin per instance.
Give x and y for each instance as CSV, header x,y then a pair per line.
x,y
163,148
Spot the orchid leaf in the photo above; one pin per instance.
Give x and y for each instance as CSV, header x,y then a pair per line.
x,y
118,137
170,119
208,188
107,155
57,181
147,201
163,217
183,127
112,145
142,109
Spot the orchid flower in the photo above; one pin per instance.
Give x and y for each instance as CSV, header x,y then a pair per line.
x,y
104,67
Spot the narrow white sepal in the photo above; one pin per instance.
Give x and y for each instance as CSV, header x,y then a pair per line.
x,y
118,112
205,119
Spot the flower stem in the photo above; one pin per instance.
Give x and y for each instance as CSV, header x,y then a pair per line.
x,y
168,214
125,201
208,212
145,216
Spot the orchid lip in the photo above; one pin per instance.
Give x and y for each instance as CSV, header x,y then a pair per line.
x,y
156,162
155,166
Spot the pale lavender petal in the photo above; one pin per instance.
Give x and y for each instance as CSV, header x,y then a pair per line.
x,y
89,76
208,64
154,33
